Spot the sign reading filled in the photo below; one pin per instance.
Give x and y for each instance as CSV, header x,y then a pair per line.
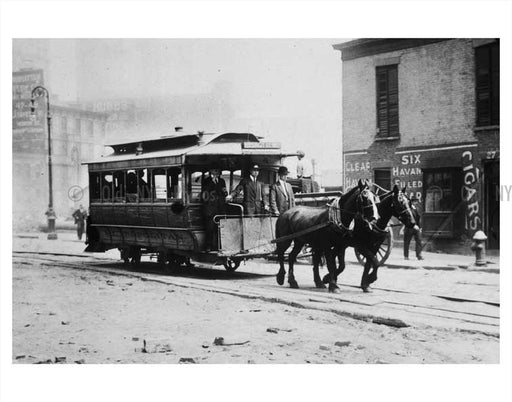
x,y
22,84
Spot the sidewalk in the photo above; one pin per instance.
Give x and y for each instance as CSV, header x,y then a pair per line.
x,y
437,261
68,243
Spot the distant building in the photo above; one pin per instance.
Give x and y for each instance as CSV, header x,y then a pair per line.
x,y
425,113
77,135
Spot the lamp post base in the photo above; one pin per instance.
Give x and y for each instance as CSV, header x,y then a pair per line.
x,y
51,224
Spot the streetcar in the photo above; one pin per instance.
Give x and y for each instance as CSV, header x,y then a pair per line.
x,y
145,198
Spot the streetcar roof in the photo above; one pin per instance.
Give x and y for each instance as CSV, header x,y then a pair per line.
x,y
191,144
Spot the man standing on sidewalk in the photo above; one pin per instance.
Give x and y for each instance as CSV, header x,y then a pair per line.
x,y
415,232
80,215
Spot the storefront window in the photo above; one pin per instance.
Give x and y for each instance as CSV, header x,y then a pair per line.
x,y
439,194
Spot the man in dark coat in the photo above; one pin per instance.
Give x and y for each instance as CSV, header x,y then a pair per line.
x,y
281,194
254,198
80,215
415,232
213,196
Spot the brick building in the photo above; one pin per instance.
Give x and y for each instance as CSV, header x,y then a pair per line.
x,y
425,113
77,135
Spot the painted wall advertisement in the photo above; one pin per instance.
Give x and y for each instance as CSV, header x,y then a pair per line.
x,y
405,172
470,193
22,84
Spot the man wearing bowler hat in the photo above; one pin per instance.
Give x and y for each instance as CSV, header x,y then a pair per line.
x,y
254,199
281,194
213,195
415,232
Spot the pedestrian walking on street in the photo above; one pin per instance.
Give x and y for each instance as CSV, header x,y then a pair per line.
x,y
415,232
213,195
254,198
80,215
281,194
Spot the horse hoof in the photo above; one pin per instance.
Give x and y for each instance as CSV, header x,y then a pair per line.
x,y
367,289
280,278
294,285
334,289
320,285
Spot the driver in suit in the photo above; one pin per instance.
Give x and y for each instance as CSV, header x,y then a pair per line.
x,y
281,194
254,197
213,195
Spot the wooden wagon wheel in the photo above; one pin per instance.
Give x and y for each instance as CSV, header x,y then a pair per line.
x,y
383,252
231,265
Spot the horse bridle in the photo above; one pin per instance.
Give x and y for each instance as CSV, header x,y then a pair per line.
x,y
360,202
403,211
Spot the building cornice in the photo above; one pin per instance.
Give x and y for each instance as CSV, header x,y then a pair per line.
x,y
368,47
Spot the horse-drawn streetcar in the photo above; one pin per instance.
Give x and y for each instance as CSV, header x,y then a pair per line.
x,y
146,198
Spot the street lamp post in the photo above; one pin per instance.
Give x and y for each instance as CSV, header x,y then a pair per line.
x,y
38,92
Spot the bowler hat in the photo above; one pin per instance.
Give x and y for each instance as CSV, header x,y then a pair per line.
x,y
215,165
255,167
282,170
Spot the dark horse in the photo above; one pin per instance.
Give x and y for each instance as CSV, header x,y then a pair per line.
x,y
367,239
322,230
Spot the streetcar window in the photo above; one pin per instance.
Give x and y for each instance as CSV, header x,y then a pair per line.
x,y
174,180
237,176
131,186
195,186
159,185
106,187
94,187
119,186
144,182
226,175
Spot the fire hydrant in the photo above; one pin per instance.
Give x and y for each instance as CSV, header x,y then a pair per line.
x,y
478,246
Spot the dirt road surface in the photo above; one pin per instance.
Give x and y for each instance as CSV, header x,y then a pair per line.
x,y
70,309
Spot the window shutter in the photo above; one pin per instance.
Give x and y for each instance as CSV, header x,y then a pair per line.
x,y
382,103
495,84
487,60
387,101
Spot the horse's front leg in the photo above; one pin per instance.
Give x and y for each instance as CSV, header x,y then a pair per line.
x,y
372,277
330,257
281,248
292,257
317,256
341,265
365,279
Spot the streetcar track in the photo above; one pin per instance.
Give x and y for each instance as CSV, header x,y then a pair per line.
x,y
241,275
248,294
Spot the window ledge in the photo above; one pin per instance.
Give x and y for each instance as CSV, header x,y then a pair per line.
x,y
486,128
387,138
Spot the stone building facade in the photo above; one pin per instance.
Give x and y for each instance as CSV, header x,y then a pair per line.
x,y
77,135
424,113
